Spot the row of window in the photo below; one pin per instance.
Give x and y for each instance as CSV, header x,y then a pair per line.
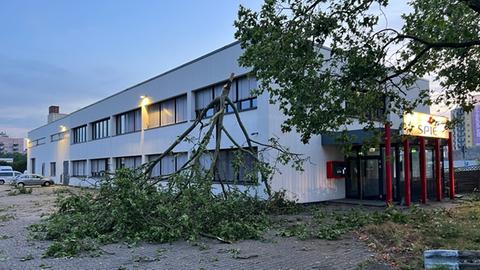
x,y
165,113
233,166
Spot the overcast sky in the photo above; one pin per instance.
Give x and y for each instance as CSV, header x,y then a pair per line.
x,y
73,53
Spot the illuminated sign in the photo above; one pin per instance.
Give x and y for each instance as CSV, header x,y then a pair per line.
x,y
425,125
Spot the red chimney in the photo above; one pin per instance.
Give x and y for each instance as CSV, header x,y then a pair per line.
x,y
54,109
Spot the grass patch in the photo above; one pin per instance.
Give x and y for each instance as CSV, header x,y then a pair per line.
x,y
398,236
403,243
332,225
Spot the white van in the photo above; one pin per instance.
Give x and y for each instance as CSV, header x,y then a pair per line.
x,y
6,168
7,177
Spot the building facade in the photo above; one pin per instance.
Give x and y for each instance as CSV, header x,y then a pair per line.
x,y
139,123
11,145
466,132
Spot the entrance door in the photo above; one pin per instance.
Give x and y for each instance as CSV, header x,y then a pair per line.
x,y
370,178
352,179
66,176
364,178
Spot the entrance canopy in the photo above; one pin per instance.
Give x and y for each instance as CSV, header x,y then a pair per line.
x,y
417,147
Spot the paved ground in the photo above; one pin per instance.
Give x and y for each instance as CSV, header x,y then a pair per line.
x,y
18,252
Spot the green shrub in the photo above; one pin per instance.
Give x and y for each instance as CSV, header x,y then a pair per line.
x,y
20,190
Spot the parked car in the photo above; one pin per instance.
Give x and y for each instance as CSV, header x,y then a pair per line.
x,y
33,179
8,177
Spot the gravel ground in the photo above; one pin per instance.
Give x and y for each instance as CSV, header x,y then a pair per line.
x,y
18,252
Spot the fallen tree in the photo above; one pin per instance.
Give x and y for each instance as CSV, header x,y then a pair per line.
x,y
263,169
135,205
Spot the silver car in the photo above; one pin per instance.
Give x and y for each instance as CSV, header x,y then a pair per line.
x,y
32,179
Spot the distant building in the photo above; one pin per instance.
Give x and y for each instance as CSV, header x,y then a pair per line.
x,y
466,133
11,145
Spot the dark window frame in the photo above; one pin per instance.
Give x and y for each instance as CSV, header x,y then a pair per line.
x,y
176,155
99,173
76,162
57,136
118,121
252,101
80,134
100,129
53,168
175,105
118,160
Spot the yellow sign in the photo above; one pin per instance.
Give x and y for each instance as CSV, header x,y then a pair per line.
x,y
425,125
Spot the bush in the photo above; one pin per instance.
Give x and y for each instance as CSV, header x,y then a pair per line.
x,y
20,190
124,208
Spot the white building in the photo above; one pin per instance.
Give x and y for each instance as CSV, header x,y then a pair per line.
x,y
126,130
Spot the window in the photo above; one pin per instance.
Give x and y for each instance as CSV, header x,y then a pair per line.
x,y
6,174
32,164
168,112
57,136
101,129
79,134
79,168
240,94
37,142
99,166
233,166
53,168
129,122
128,162
245,100
169,164
202,99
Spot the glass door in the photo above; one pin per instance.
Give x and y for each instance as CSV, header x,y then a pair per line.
x,y
352,180
370,178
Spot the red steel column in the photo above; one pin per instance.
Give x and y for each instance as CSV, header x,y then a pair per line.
x,y
388,168
451,171
423,173
406,173
438,171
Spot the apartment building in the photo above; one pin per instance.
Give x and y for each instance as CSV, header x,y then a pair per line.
x,y
140,122
11,145
466,132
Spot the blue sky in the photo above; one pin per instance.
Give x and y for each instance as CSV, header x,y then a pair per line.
x,y
73,53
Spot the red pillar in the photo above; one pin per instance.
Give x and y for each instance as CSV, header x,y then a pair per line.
x,y
451,171
388,168
423,173
406,173
438,171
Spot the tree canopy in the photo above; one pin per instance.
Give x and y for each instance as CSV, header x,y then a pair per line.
x,y
369,66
